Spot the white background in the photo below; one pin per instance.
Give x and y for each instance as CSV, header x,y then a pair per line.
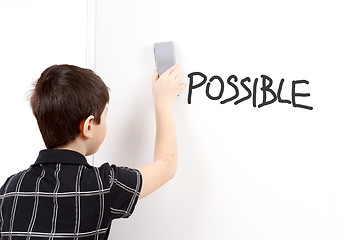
x,y
276,172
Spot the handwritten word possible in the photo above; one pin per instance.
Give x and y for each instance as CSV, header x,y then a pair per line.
x,y
266,88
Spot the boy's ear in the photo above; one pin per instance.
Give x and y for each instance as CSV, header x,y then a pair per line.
x,y
86,127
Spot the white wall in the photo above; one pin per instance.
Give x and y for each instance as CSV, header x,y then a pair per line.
x,y
276,172
33,36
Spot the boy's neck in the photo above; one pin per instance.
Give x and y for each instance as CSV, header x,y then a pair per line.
x,y
75,146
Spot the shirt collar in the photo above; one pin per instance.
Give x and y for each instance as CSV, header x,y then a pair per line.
x,y
61,156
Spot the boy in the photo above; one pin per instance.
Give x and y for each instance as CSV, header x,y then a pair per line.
x,y
61,196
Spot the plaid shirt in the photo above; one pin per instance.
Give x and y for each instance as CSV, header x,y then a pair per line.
x,y
62,197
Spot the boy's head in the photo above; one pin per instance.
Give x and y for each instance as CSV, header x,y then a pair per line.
x,y
63,98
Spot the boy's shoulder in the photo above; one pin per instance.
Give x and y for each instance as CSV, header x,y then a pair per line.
x,y
7,184
67,171
70,166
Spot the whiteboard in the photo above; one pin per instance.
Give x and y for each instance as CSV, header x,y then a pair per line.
x,y
274,172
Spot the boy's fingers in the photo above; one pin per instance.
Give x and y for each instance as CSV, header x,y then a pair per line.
x,y
155,76
179,77
182,86
175,73
171,69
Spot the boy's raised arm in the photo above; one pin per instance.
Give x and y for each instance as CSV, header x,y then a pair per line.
x,y
163,168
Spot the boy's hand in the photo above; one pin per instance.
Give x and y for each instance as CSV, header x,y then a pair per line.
x,y
167,87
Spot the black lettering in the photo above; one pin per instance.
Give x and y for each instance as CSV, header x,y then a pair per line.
x,y
221,89
294,94
242,82
279,93
234,86
254,92
191,83
267,88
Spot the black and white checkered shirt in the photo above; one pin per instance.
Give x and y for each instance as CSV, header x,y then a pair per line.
x,y
62,197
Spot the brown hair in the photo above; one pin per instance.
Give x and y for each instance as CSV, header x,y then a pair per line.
x,y
62,98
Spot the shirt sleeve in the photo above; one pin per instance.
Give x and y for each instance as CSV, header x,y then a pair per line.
x,y
125,187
